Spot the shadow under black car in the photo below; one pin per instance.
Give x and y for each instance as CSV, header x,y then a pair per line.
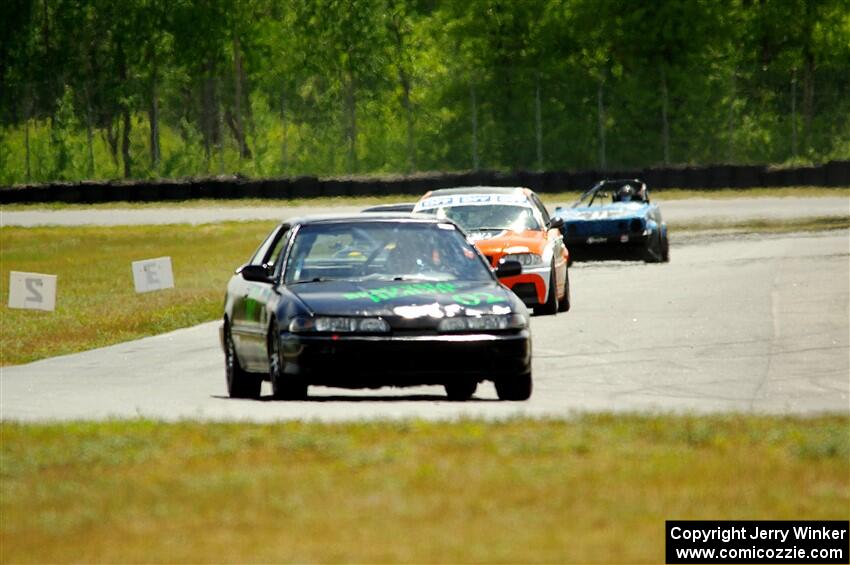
x,y
365,398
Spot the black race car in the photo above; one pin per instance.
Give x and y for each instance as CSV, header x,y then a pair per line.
x,y
371,301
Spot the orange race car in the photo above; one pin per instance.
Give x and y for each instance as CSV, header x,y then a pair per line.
x,y
511,224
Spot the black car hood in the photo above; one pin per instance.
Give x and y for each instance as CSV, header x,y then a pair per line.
x,y
404,299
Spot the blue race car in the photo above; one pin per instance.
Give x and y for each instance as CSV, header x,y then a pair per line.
x,y
615,218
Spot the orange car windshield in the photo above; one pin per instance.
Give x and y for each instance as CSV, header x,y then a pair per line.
x,y
493,217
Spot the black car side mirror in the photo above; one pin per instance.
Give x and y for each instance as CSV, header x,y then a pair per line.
x,y
555,223
255,273
508,269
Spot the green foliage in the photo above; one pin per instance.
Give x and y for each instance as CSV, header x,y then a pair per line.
x,y
157,88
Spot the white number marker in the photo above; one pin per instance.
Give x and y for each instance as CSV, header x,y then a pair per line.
x,y
153,274
33,291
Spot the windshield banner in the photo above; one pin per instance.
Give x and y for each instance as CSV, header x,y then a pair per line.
x,y
471,200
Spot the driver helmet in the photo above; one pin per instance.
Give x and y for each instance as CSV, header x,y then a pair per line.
x,y
626,193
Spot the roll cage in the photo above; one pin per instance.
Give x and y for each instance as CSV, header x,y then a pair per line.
x,y
609,187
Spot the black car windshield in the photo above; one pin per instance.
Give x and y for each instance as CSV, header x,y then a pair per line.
x,y
484,217
383,250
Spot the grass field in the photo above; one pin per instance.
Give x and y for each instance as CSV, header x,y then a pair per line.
x,y
594,489
96,301
549,198
764,225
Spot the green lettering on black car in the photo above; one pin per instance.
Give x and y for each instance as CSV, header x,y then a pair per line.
x,y
391,292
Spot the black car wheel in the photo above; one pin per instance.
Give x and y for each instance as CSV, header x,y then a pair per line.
x,y
516,387
551,305
652,250
461,389
665,249
240,383
284,387
564,303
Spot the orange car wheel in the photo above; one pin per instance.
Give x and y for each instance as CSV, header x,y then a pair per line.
x,y
564,303
551,305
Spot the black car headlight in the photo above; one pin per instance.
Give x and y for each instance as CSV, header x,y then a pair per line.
x,y
482,323
338,325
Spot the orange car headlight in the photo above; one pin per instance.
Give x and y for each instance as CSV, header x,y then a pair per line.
x,y
525,259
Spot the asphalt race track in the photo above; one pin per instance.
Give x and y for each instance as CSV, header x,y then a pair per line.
x,y
755,323
701,210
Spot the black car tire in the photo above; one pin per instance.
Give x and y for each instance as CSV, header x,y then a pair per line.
x,y
665,249
551,305
515,387
564,303
240,383
461,389
284,387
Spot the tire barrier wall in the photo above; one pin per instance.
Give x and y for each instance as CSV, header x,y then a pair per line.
x,y
833,173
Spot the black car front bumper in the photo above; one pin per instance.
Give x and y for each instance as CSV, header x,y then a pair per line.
x,y
376,361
